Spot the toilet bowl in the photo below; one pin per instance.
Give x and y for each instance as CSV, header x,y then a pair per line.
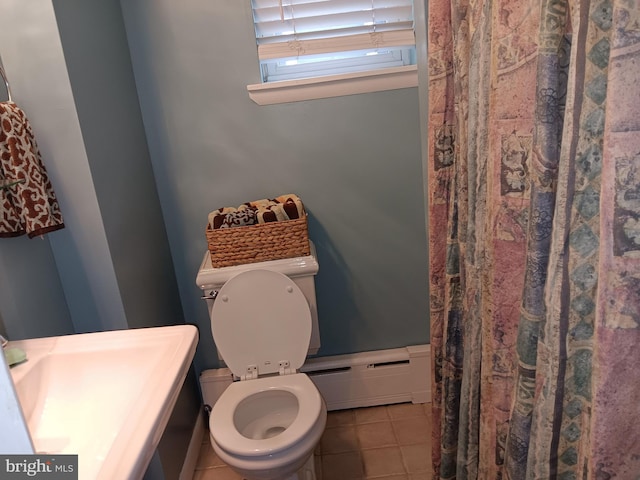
x,y
267,429
266,424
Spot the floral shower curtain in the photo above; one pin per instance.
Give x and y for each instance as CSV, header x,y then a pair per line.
x,y
534,166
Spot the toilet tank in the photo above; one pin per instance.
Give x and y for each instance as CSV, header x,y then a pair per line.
x,y
301,270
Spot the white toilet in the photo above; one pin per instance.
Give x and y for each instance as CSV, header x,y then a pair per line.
x,y
267,424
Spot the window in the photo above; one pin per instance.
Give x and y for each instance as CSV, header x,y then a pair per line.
x,y
324,41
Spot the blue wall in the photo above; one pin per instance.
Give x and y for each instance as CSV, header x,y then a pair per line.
x,y
110,267
354,160
104,92
32,302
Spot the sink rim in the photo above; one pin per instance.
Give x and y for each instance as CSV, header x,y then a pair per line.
x,y
134,444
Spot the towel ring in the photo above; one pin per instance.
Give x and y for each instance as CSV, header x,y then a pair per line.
x,y
6,83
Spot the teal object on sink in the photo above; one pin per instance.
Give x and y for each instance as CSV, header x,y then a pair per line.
x,y
14,356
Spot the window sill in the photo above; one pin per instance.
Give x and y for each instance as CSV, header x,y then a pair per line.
x,y
333,85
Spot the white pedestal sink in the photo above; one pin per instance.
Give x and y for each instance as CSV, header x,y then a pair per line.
x,y
105,396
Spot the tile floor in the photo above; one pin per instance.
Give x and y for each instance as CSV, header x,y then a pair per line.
x,y
385,443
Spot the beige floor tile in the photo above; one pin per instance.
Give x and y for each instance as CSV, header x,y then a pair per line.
x,y
401,410
420,476
411,430
217,473
342,466
417,458
339,440
207,457
317,463
376,435
371,414
389,477
341,418
383,461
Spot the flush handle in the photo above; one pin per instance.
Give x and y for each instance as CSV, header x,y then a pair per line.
x,y
210,295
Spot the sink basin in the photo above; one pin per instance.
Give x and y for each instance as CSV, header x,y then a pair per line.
x,y
105,396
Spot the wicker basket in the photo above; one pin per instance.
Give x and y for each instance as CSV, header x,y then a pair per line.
x,y
258,243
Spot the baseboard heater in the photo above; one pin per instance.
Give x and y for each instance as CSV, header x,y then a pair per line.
x,y
380,377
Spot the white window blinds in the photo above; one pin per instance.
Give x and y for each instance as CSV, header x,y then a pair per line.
x,y
303,38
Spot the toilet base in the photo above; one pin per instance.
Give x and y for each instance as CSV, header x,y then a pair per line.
x,y
307,472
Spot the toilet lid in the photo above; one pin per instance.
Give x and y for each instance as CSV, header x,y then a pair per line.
x,y
261,318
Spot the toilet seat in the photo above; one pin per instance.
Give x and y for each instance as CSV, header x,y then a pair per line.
x,y
261,324
226,435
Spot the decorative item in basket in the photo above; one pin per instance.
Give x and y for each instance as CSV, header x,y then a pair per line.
x,y
268,229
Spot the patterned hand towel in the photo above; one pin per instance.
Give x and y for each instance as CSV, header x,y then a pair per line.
x,y
30,205
263,203
284,207
292,205
216,218
241,217
272,213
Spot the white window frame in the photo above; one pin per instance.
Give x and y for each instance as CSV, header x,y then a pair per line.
x,y
365,81
333,85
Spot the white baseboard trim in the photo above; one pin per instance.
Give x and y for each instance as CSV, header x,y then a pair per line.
x,y
364,379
